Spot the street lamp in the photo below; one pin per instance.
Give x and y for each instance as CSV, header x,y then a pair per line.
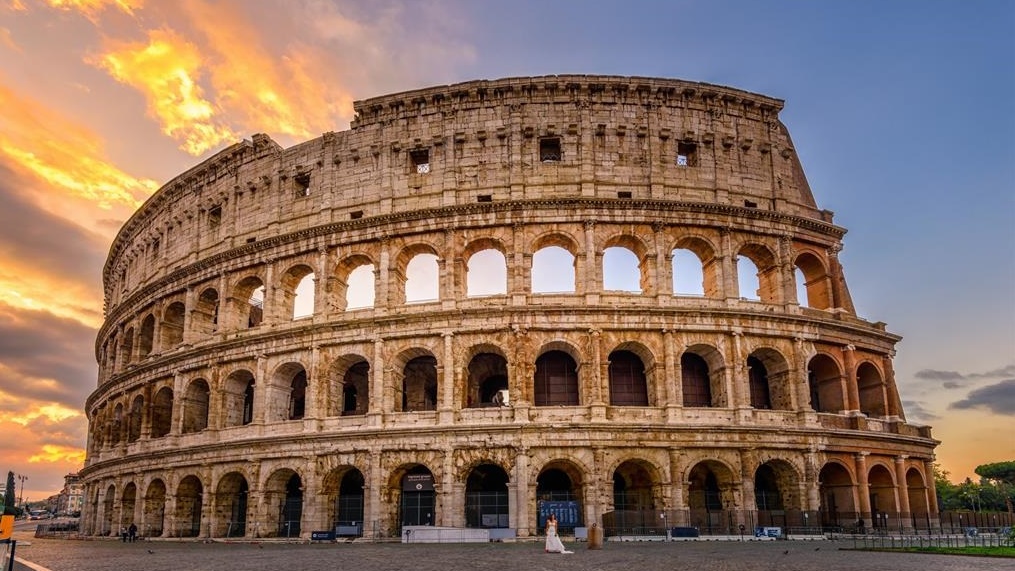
x,y
806,519
666,530
21,499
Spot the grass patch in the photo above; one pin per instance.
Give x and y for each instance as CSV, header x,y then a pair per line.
x,y
972,550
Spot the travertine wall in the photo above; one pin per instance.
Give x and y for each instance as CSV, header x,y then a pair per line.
x,y
218,415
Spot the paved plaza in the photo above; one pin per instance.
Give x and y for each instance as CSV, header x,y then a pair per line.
x,y
104,555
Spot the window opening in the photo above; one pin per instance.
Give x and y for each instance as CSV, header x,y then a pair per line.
x,y
356,215
484,198
214,216
624,194
420,160
302,181
750,204
687,154
549,150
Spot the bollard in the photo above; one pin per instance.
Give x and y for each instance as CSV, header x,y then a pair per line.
x,y
595,537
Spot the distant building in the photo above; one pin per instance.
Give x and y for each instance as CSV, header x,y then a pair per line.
x,y
70,498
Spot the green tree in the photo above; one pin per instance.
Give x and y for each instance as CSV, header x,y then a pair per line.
x,y
948,497
1001,476
9,495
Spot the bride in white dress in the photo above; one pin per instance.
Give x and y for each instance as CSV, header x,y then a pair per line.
x,y
553,544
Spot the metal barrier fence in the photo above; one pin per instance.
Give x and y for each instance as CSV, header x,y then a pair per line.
x,y
7,554
987,538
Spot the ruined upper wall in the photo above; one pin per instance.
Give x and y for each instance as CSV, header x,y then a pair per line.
x,y
517,139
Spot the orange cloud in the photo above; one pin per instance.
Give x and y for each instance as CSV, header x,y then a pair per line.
x,y
69,161
91,8
25,287
165,70
53,454
280,93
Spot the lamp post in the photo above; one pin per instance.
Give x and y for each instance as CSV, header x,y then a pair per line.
x,y
806,520
666,530
21,498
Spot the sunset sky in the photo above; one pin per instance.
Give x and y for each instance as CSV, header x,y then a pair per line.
x,y
903,114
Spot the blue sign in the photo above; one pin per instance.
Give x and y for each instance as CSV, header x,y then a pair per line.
x,y
567,513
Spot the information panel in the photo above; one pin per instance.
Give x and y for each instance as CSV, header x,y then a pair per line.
x,y
567,512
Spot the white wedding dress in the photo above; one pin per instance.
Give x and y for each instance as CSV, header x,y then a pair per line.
x,y
553,544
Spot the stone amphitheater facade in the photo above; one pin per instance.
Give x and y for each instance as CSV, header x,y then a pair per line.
x,y
223,410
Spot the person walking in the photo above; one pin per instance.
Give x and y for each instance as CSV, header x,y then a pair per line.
x,y
553,543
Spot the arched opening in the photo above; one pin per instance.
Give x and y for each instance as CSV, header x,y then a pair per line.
x,y
247,303
195,406
189,495
559,491
344,489
758,380
688,273
769,378
298,396
824,377
747,279
134,419
418,502
116,429
206,312
486,497
882,495
296,292
107,511
238,399
419,384
553,270
231,499
127,502
757,274
628,386
153,514
710,487
146,338
488,377
814,281
621,270
767,496
292,508
422,279
355,389
917,492
360,288
871,389
556,380
486,273
838,509
695,379
162,412
287,393
633,501
127,347
172,325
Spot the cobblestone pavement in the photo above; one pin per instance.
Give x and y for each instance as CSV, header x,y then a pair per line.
x,y
103,555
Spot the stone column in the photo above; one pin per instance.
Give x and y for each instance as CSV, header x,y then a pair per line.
x,y
448,511
902,490
800,378
373,510
787,272
664,264
519,494
261,404
376,401
382,279
852,391
446,404
730,287
317,383
322,309
593,281
863,488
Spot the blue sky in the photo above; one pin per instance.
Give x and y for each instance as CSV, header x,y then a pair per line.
x,y
903,114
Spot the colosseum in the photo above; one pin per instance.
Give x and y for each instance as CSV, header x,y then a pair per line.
x,y
609,298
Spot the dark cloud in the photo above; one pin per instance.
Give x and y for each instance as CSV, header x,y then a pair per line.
x,y
38,345
998,398
951,385
931,374
46,241
1001,373
915,411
